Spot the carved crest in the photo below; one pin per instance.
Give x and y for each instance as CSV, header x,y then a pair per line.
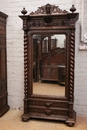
x,y
48,9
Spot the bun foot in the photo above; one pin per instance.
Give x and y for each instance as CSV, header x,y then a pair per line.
x,y
70,124
25,117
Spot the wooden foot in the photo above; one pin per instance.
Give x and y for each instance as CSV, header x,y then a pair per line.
x,y
71,121
70,124
25,117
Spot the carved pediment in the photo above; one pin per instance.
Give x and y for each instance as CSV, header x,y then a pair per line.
x,y
48,9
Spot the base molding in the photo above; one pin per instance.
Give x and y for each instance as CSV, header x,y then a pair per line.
x,y
69,122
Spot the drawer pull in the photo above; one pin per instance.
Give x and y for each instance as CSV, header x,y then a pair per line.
x,y
48,112
48,104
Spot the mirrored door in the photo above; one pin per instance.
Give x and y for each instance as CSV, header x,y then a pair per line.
x,y
49,64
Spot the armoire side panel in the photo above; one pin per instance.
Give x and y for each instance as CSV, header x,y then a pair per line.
x,y
3,66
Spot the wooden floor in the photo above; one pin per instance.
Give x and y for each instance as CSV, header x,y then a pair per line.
x,y
12,121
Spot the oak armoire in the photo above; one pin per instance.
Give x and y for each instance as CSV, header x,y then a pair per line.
x,y
52,95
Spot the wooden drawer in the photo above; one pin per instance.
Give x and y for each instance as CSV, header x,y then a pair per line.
x,y
45,108
48,111
51,109
48,103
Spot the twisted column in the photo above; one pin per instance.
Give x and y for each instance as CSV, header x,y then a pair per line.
x,y
25,65
72,47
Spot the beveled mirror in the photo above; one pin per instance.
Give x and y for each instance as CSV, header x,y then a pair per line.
x,y
49,46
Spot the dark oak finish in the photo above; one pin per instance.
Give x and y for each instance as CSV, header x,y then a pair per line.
x,y
3,66
49,19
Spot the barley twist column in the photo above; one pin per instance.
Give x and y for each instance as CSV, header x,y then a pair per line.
x,y
25,65
72,47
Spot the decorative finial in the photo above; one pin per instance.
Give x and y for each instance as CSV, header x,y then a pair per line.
x,y
72,9
23,11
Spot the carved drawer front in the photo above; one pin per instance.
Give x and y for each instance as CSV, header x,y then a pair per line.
x,y
48,111
47,103
47,108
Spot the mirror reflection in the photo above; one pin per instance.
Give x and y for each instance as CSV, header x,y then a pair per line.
x,y
49,64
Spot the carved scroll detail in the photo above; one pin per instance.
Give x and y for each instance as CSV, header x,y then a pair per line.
x,y
25,65
48,9
72,66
